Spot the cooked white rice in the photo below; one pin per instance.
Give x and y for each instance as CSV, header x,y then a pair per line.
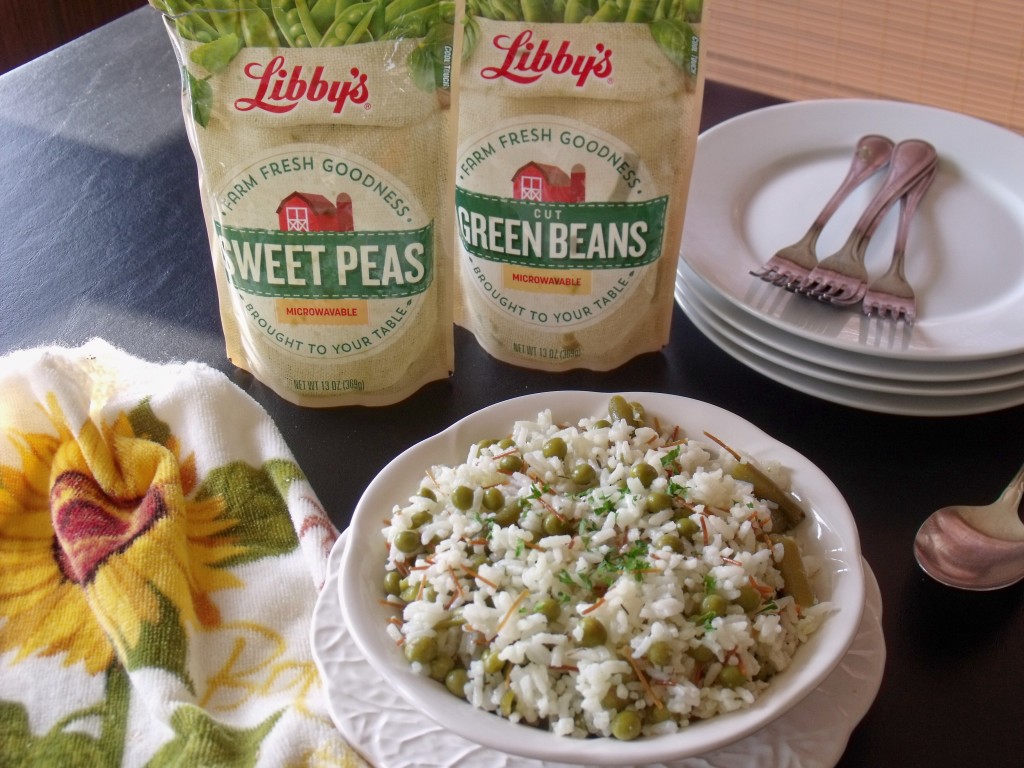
x,y
473,584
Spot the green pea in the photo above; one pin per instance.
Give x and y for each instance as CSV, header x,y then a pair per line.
x,y
493,499
421,649
556,525
658,501
550,607
645,473
506,443
669,541
555,448
731,676
486,443
619,409
393,583
361,28
456,682
426,493
407,541
410,592
421,518
683,512
702,654
655,715
715,604
626,725
509,464
462,497
592,632
440,667
612,700
508,515
583,474
688,527
660,653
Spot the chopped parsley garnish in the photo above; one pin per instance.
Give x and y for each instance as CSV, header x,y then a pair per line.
x,y
633,560
671,457
677,490
602,505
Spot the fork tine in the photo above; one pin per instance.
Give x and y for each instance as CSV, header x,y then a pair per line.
x,y
911,160
892,291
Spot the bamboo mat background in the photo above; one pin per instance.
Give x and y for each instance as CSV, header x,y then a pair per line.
x,y
966,56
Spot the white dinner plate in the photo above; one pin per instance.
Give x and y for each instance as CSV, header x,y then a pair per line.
x,y
387,731
879,402
693,303
775,338
759,180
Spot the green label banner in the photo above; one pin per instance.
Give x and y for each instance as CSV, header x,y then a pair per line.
x,y
328,265
557,235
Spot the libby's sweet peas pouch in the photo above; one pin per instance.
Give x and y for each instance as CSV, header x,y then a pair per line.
x,y
578,124
323,132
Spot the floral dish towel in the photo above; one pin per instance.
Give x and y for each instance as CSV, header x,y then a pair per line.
x,y
160,557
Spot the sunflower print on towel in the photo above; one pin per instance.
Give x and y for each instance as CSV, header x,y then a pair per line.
x,y
142,593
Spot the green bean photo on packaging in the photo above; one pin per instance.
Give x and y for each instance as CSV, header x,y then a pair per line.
x,y
670,21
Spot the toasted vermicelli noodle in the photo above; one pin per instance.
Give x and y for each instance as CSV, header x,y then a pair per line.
x,y
598,578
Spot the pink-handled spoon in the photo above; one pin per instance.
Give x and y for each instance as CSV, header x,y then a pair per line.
x,y
975,548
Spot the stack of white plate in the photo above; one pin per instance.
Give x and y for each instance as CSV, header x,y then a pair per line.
x,y
758,182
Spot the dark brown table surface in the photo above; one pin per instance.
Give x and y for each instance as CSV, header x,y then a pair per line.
x,y
102,234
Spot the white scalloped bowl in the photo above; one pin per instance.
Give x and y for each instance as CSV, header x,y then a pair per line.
x,y
829,532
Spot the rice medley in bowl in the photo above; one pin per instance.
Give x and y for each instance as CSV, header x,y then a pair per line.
x,y
611,576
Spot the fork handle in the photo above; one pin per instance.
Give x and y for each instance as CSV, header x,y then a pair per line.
x,y
908,204
871,154
910,160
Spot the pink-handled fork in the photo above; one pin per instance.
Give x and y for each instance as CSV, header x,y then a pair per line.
x,y
842,278
891,295
791,265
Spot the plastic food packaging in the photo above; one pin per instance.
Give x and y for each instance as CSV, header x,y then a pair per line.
x,y
324,135
578,121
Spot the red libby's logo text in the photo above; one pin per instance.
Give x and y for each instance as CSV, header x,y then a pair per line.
x,y
526,62
280,89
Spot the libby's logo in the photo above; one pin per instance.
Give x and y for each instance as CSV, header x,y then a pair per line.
x,y
525,62
281,90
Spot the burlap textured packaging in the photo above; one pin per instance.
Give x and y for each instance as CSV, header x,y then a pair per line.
x,y
575,148
324,141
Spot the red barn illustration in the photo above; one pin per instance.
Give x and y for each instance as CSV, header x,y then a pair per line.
x,y
309,212
549,184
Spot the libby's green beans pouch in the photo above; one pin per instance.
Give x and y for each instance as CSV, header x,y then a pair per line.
x,y
578,123
324,135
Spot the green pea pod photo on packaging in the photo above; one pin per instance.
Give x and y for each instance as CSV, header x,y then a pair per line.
x,y
323,132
